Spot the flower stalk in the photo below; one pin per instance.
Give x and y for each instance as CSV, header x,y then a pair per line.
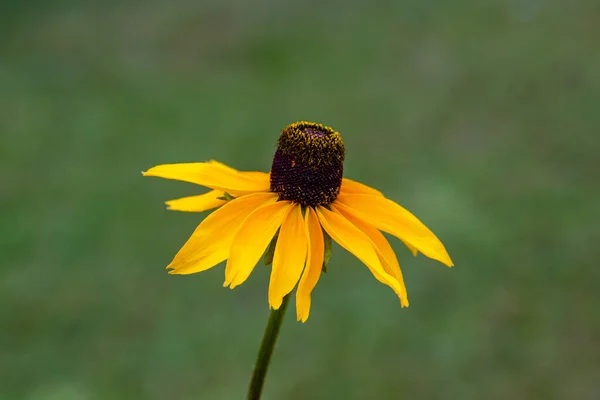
x,y
266,350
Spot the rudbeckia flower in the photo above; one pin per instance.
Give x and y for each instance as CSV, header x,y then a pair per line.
x,y
300,205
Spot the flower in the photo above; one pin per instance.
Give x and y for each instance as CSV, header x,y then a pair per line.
x,y
302,203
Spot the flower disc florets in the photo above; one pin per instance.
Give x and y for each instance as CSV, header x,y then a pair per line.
x,y
308,164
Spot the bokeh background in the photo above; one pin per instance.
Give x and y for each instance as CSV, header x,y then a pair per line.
x,y
482,118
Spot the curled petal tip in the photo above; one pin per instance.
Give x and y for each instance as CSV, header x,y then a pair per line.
x,y
172,270
275,306
233,285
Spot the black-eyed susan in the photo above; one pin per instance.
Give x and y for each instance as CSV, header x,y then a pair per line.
x,y
304,200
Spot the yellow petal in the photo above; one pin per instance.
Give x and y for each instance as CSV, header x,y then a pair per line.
x,y
255,174
252,239
348,211
382,247
259,175
221,165
353,187
211,241
198,203
213,175
352,239
289,257
314,264
390,217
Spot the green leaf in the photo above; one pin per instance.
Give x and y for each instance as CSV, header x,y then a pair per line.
x,y
268,258
226,196
328,251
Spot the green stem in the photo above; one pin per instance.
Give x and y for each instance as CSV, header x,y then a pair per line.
x,y
266,350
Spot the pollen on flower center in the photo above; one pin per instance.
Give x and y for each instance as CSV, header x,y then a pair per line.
x,y
308,164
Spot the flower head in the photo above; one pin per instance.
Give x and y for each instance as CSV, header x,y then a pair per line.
x,y
308,164
305,199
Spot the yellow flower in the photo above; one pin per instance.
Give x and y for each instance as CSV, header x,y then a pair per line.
x,y
304,197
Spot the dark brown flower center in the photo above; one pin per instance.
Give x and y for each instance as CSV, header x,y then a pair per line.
x,y
308,164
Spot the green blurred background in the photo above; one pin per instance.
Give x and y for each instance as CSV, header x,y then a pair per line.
x,y
480,117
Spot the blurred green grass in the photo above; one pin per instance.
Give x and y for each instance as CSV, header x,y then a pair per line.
x,y
482,119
